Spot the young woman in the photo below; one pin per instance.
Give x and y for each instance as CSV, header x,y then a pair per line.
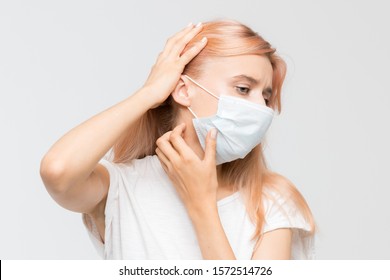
x,y
187,178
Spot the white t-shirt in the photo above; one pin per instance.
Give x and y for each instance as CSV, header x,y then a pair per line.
x,y
146,219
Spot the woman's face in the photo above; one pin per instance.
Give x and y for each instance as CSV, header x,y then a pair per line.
x,y
246,76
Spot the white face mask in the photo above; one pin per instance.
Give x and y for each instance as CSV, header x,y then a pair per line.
x,y
241,126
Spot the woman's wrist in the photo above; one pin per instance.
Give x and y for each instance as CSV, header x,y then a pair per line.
x,y
146,96
201,211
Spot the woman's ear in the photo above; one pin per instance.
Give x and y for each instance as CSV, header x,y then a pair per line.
x,y
180,93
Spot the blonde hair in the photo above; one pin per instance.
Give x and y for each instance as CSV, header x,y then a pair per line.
x,y
250,175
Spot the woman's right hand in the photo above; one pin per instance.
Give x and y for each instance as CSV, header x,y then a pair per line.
x,y
170,63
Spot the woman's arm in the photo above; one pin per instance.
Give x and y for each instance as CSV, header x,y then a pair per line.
x,y
72,160
70,169
274,245
73,157
211,236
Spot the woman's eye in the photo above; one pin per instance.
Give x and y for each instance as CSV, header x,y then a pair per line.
x,y
242,90
267,97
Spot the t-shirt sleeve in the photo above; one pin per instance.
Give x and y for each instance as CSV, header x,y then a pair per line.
x,y
115,171
283,213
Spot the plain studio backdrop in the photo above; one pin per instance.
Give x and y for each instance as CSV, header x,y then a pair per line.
x,y
61,62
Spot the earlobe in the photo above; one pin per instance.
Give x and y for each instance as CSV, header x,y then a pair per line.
x,y
180,94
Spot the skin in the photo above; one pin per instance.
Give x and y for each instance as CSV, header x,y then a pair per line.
x,y
72,175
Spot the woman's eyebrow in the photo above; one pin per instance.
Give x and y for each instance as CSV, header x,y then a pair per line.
x,y
249,79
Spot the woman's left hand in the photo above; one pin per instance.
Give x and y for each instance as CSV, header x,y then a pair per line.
x,y
195,179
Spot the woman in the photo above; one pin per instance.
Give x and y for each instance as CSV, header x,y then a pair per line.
x,y
188,179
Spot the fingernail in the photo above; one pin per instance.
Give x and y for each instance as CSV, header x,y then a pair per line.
x,y
190,24
199,24
213,133
204,39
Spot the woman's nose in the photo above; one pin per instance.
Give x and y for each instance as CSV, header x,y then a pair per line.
x,y
258,98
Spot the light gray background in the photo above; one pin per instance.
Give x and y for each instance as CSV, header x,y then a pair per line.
x,y
61,62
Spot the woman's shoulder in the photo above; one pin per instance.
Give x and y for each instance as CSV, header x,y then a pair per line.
x,y
284,206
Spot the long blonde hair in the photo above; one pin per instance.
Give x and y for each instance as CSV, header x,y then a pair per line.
x,y
250,175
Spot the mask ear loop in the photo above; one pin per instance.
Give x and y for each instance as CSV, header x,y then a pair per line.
x,y
202,87
192,112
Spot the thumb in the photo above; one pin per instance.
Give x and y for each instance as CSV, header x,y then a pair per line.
x,y
211,144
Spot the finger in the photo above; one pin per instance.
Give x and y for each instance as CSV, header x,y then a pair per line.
x,y
166,147
193,51
164,167
182,42
163,159
211,145
178,142
171,41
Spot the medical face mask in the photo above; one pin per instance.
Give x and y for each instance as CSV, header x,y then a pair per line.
x,y
241,126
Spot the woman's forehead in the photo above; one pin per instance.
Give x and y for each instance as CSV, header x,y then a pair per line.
x,y
252,68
